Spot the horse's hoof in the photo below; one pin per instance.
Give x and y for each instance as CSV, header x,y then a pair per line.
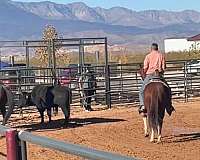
x,y
158,142
146,135
152,141
55,113
1,136
65,125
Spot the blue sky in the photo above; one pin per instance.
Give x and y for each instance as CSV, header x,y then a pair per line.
x,y
172,5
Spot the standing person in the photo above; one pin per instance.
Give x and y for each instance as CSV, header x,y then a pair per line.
x,y
154,61
87,89
80,85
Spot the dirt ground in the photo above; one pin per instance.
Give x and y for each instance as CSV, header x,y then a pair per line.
x,y
119,130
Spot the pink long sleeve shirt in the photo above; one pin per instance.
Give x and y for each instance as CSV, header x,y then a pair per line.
x,y
153,61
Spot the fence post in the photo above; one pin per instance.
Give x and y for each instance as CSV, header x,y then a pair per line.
x,y
185,81
23,150
11,142
108,89
107,75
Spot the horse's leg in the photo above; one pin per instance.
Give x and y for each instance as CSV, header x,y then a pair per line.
x,y
20,112
152,135
41,110
146,134
22,103
66,112
41,115
3,110
159,131
159,134
55,110
49,113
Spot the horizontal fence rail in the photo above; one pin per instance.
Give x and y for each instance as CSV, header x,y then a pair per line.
x,y
17,148
68,148
3,130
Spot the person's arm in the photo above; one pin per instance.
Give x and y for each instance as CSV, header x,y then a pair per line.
x,y
146,64
163,63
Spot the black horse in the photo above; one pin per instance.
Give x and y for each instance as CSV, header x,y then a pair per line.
x,y
6,97
45,97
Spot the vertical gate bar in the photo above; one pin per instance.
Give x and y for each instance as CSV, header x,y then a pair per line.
x,y
27,64
54,54
49,51
27,55
54,74
79,56
23,150
186,78
185,81
121,84
107,76
191,87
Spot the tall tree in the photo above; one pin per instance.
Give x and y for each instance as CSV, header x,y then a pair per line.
x,y
42,53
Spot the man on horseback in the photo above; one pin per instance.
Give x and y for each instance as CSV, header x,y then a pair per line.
x,y
154,67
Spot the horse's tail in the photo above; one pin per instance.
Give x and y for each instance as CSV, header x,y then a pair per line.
x,y
10,103
153,115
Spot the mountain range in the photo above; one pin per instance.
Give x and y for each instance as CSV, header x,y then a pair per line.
x,y
135,29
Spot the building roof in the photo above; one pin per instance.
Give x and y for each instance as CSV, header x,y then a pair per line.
x,y
176,38
194,38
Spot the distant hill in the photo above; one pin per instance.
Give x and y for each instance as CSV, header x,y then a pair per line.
x,y
22,20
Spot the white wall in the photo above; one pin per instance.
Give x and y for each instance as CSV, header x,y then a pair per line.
x,y
177,45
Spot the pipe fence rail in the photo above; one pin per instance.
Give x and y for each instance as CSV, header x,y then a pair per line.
x,y
17,148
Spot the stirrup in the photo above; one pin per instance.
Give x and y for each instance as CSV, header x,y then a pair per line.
x,y
141,109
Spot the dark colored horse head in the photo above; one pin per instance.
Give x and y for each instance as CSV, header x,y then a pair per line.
x,y
156,100
6,97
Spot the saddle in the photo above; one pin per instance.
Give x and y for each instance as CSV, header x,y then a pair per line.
x,y
158,77
159,80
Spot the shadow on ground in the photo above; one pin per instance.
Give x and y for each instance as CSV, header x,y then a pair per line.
x,y
73,123
183,138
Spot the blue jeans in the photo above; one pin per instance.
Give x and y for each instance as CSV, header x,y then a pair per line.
x,y
141,91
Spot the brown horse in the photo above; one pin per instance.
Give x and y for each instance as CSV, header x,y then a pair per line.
x,y
157,98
